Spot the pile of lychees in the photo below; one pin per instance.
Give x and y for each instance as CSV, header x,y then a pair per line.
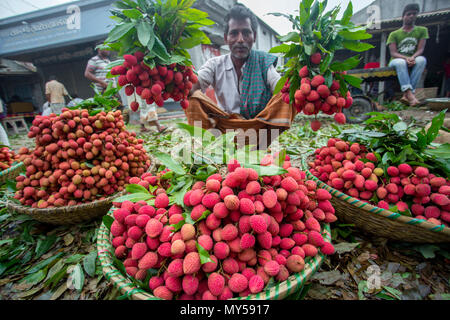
x,y
79,158
344,166
154,85
253,229
315,96
8,157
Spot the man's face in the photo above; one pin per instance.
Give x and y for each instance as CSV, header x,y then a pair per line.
x,y
240,38
410,17
104,53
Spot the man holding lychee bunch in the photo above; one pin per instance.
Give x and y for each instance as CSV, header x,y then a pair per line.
x,y
406,46
243,81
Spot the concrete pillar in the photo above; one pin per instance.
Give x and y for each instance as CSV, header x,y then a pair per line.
x,y
382,64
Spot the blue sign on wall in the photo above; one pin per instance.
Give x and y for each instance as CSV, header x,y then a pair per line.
x,y
65,27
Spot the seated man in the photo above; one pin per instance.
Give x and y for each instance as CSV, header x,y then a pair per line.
x,y
243,81
406,47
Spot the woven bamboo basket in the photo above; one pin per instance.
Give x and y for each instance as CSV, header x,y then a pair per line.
x,y
378,221
12,172
127,287
67,215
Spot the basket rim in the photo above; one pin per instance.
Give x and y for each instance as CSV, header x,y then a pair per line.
x,y
14,166
374,210
65,209
127,287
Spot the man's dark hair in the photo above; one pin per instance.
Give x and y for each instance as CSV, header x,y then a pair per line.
x,y
240,12
411,7
52,77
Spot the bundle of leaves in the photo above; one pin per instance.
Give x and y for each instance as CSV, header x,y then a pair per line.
x,y
105,101
153,38
394,142
313,80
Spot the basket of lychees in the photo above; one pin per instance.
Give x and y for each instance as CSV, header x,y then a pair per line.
x,y
81,162
237,234
400,202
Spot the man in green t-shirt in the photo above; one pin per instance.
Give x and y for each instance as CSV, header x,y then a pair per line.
x,y
406,46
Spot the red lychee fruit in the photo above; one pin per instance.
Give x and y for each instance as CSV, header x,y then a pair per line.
x,y
316,58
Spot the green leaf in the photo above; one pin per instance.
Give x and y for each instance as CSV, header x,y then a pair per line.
x,y
347,14
394,292
291,37
89,263
266,170
136,188
74,259
119,31
204,255
170,163
145,34
107,221
353,81
427,250
441,152
178,226
77,277
197,132
359,35
44,245
280,84
205,214
400,127
44,263
134,197
179,195
348,64
160,49
132,13
36,277
281,158
283,48
436,125
357,46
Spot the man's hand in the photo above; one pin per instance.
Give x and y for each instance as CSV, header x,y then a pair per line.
x,y
411,61
103,84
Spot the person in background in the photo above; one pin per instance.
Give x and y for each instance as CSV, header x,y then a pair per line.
x,y
147,112
55,93
96,69
406,46
3,135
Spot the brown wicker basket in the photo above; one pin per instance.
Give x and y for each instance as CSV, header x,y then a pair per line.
x,y
381,222
72,214
69,214
12,172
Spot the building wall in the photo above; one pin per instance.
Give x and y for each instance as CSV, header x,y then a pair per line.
x,y
44,38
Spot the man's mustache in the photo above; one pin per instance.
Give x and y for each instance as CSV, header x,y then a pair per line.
x,y
240,47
